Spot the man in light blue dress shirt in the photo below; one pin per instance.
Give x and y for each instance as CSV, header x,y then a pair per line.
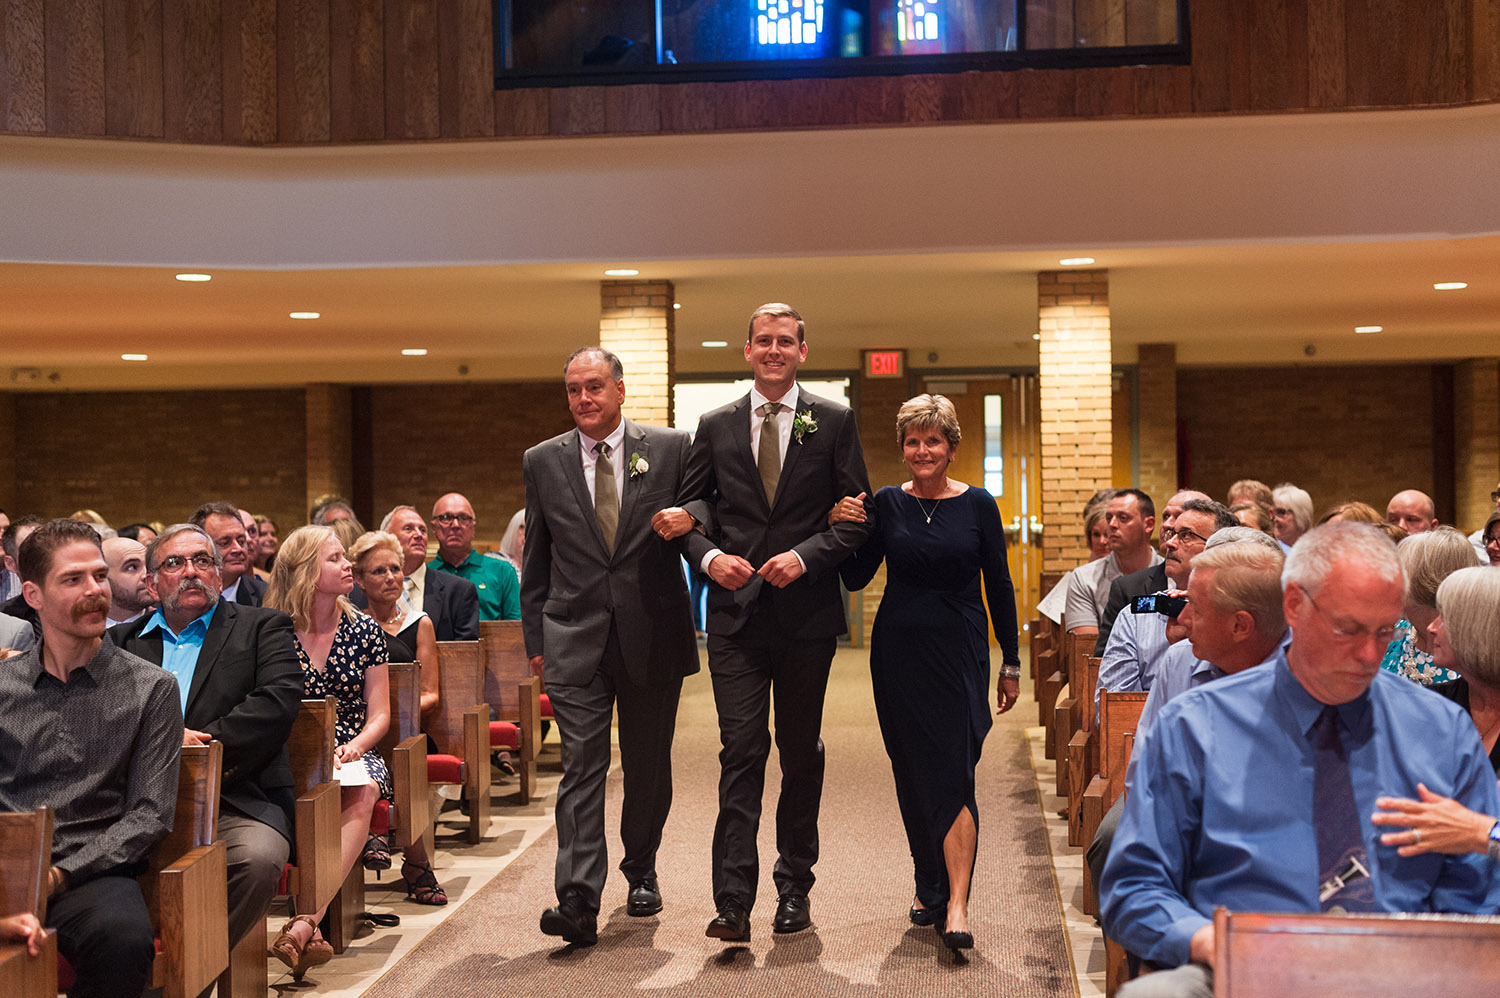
x,y
1220,804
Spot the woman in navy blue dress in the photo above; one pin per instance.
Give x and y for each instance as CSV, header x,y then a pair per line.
x,y
930,655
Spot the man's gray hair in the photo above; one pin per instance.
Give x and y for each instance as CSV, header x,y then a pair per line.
x,y
385,525
616,369
1246,576
1315,554
1241,535
180,528
1208,507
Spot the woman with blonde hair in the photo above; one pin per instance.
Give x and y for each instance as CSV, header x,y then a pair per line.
x,y
343,654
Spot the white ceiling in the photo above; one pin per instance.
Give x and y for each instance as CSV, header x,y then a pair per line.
x,y
1241,239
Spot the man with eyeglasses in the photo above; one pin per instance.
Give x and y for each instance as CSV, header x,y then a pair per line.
x,y
499,588
239,684
451,603
1255,791
221,521
1477,537
1152,579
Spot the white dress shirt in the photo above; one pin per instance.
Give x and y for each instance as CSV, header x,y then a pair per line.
x,y
617,460
784,420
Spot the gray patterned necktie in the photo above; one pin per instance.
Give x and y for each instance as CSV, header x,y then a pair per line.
x,y
606,496
769,458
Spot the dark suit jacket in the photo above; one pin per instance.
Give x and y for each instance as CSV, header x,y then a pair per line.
x,y
252,591
826,466
1124,589
17,606
246,691
451,602
573,586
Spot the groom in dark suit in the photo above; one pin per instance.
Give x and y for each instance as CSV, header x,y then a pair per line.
x,y
771,465
604,607
240,683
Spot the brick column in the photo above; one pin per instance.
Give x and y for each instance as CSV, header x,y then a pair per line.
x,y
329,443
1157,376
1073,319
637,323
1476,440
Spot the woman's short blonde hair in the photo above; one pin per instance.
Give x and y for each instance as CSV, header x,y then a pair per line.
x,y
1430,557
371,541
1469,601
1353,511
294,577
927,412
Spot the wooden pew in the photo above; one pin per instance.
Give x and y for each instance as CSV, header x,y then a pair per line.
x,y
514,693
25,859
1067,717
1083,755
460,725
316,878
1046,582
185,885
1048,690
1437,956
404,748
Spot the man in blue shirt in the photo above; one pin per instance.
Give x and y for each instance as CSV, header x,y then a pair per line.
x,y
1221,806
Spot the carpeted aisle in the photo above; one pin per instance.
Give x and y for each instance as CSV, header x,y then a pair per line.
x,y
861,943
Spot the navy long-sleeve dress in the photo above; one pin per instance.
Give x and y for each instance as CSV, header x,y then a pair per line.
x,y
930,656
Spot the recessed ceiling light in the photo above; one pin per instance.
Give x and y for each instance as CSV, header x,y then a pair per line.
x,y
194,278
1368,329
1036,336
1077,261
306,315
414,352
621,273
677,304
1450,286
716,343
133,356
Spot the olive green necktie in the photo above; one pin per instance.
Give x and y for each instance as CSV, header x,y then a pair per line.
x,y
769,458
606,497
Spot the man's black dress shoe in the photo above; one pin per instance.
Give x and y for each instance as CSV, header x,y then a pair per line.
x,y
731,925
644,898
571,919
793,913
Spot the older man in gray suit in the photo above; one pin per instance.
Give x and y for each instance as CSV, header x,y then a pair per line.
x,y
604,606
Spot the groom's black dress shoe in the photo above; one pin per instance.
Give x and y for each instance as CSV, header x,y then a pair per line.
x,y
732,923
793,913
571,919
644,898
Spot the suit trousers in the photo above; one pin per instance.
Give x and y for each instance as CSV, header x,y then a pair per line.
x,y
256,855
647,722
749,668
104,931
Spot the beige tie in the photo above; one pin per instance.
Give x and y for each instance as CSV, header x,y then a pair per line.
x,y
769,458
408,590
606,496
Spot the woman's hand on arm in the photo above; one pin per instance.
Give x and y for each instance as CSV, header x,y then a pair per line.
x,y
850,509
1432,824
427,658
377,715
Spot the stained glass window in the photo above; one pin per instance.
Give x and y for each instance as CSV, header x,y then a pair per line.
x,y
789,22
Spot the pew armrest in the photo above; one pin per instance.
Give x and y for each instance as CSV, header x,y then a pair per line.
x,y
409,777
191,909
319,863
25,976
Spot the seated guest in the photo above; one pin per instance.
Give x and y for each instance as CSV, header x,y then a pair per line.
x,y
129,591
1131,517
1095,535
142,532
1353,511
409,635
1291,513
1254,516
1148,580
1466,641
239,684
513,541
1427,558
1490,538
329,509
451,603
94,733
1232,621
221,521
16,635
342,653
1248,490
1254,792
348,530
1138,640
265,552
88,516
1412,511
498,585
11,539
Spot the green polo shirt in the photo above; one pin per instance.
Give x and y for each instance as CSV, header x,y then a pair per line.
x,y
499,589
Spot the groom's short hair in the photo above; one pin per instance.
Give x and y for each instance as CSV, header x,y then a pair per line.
x,y
777,308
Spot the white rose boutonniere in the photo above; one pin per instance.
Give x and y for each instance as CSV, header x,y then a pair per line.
x,y
638,465
803,425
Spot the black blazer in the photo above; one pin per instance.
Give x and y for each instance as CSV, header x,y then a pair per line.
x,y
451,602
252,591
246,691
817,472
1152,579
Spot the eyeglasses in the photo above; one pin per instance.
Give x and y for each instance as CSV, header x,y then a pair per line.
x,y
1383,636
1495,495
1280,511
384,571
1492,539
1183,534
447,518
174,563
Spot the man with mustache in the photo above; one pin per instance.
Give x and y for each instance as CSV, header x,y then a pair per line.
x,y
238,682
94,733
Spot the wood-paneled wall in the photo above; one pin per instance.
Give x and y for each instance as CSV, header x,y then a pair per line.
x,y
313,71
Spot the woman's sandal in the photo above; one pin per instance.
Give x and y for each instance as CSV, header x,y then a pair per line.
x,y
300,958
424,889
377,854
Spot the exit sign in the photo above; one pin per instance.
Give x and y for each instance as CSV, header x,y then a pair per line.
x,y
885,363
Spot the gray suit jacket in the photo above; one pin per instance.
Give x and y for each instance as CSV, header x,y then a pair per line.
x,y
572,587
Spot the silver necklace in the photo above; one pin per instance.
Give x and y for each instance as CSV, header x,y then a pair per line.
x,y
922,506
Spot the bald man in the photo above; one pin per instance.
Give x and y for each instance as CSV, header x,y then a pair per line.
x,y
129,593
1412,511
